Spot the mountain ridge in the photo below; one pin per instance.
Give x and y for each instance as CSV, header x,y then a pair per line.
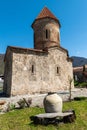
x,y
79,61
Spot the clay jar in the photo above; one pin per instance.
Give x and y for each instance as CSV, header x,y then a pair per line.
x,y
52,103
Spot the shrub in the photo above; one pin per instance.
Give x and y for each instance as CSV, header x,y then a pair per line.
x,y
12,106
80,98
80,85
76,83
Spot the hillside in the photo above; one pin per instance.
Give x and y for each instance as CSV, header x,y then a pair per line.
x,y
79,61
1,64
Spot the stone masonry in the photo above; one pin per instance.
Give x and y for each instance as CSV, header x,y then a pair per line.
x,y
45,68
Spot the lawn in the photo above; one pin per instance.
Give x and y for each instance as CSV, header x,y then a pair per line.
x,y
19,119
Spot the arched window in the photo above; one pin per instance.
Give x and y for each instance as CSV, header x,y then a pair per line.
x,y
32,67
47,34
57,70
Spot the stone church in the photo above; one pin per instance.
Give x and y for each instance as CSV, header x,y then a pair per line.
x,y
45,68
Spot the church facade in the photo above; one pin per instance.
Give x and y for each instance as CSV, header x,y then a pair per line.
x,y
46,68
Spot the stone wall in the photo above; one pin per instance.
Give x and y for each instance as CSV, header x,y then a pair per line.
x,y
45,68
58,59
40,27
8,73
45,76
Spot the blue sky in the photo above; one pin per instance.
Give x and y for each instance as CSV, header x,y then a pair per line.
x,y
16,17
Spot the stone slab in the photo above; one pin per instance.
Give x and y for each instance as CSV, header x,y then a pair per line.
x,y
53,115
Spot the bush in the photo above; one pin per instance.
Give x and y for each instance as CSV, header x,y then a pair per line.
x,y
76,83
83,84
12,106
80,98
80,85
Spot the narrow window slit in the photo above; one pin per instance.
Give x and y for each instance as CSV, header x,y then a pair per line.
x,y
32,69
57,70
47,34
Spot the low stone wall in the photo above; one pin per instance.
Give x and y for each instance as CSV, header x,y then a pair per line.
x,y
37,99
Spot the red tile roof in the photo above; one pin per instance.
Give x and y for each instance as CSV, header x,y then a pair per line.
x,y
78,69
46,13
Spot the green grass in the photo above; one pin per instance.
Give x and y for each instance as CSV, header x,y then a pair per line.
x,y
19,119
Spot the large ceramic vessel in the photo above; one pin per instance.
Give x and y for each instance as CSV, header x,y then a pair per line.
x,y
52,103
